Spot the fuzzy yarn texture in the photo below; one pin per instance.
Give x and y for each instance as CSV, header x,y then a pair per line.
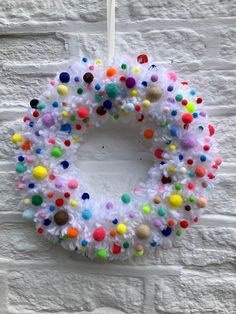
x,y
171,117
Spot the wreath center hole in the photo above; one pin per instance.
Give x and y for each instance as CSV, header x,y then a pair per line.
x,y
114,158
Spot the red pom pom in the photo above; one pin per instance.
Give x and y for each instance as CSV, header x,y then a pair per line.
x,y
137,108
67,143
59,202
184,224
158,153
211,129
36,114
82,112
40,230
191,186
211,176
142,59
116,248
199,100
206,147
190,161
26,119
187,118
99,234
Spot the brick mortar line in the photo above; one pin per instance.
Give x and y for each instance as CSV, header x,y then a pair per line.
x,y
152,272
121,25
51,68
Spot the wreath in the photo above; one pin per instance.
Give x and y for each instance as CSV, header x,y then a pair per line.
x,y
87,94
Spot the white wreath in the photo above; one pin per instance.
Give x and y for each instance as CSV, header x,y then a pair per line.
x,y
87,94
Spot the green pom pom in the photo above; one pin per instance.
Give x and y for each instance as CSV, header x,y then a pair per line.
x,y
56,152
126,198
178,97
102,253
192,198
98,98
178,233
41,106
112,90
37,200
126,245
161,211
20,168
178,186
80,91
147,209
73,118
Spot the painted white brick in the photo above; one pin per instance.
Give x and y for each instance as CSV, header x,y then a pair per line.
x,y
31,48
91,10
175,9
228,43
78,292
22,88
165,46
195,292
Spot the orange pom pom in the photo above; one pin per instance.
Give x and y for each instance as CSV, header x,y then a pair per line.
x,y
112,233
148,134
26,145
72,232
50,194
111,72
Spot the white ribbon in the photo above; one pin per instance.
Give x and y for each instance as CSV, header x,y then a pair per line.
x,y
111,29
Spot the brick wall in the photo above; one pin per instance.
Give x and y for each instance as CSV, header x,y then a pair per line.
x,y
198,276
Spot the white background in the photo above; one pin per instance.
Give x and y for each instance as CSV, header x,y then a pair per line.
x,y
198,276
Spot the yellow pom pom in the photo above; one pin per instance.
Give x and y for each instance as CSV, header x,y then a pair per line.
x,y
190,107
134,93
175,200
64,113
121,229
62,90
172,147
147,209
136,70
16,138
26,201
98,61
73,203
146,103
139,253
76,139
171,168
40,172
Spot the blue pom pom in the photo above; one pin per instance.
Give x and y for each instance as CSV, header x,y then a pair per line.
x,y
174,129
86,214
107,104
64,77
66,128
166,232
65,164
47,222
55,104
85,196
